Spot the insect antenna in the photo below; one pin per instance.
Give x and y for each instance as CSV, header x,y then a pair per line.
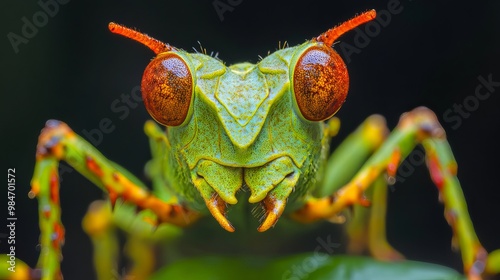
x,y
155,45
334,33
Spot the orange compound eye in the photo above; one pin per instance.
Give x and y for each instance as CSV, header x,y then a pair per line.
x,y
320,83
167,89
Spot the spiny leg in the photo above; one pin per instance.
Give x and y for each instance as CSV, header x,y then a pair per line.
x,y
58,142
418,126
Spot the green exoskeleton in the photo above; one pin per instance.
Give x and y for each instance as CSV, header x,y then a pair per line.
x,y
265,129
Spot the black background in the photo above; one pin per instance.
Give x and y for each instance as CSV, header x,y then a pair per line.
x,y
429,54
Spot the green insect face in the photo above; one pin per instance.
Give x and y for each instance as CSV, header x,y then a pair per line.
x,y
255,127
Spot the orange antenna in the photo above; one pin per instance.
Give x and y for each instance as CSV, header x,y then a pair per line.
x,y
334,33
150,42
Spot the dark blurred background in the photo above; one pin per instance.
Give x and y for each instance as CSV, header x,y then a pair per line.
x,y
427,53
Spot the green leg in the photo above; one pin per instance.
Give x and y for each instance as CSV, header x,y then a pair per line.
x,y
377,238
352,153
493,265
21,271
366,229
98,224
142,254
58,142
417,126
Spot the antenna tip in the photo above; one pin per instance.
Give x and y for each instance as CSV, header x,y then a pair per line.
x,y
113,26
371,14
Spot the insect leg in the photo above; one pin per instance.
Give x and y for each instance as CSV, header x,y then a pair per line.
x,y
419,126
366,228
98,224
58,142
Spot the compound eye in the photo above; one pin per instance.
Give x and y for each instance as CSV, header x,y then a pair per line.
x,y
320,83
167,89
